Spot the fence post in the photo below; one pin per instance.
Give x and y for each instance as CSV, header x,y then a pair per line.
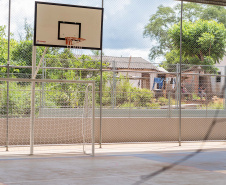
x,y
8,62
7,112
177,86
179,89
113,86
129,104
169,95
43,83
93,118
224,87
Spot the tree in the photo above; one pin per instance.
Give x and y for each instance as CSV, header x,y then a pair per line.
x,y
22,55
202,40
165,17
4,45
157,28
203,43
4,48
97,52
28,31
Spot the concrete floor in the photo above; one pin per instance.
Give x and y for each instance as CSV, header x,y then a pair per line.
x,y
119,164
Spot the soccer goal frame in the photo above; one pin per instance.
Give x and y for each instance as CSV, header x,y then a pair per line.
x,y
90,84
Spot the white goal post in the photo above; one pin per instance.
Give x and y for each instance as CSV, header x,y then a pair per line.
x,y
60,124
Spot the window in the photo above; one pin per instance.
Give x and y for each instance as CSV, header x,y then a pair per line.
x,y
218,78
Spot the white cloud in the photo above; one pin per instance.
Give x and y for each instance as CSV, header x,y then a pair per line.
x,y
4,13
20,12
24,9
116,7
124,21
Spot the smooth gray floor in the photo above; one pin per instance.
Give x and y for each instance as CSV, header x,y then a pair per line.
x,y
117,168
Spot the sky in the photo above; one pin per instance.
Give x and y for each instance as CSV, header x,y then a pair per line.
x,y
124,22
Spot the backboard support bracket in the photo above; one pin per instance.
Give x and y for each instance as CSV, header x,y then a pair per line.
x,y
40,62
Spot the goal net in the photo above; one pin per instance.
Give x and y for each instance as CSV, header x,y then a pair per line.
x,y
61,120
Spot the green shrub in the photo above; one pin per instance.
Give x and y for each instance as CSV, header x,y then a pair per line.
x,y
195,97
163,101
154,105
127,105
216,105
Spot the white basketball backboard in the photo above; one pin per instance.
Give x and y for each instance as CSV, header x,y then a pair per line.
x,y
54,22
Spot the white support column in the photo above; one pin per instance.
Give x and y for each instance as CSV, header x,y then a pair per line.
x,y
32,119
101,85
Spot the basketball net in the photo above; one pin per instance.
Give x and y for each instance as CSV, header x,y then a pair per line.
x,y
74,42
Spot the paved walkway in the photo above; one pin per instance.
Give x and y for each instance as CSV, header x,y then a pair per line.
x,y
120,164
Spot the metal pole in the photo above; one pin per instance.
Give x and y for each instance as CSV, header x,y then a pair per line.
x,y
180,73
224,86
130,100
7,112
43,77
169,102
8,63
32,120
113,86
93,119
177,85
9,22
101,81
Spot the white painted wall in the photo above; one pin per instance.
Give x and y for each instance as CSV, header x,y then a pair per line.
x,y
217,86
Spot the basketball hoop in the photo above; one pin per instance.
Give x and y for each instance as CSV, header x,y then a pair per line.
x,y
74,42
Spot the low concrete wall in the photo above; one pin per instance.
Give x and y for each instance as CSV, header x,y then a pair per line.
x,y
161,129
65,130
46,131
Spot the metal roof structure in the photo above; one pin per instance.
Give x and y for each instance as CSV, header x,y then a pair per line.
x,y
128,63
211,2
134,63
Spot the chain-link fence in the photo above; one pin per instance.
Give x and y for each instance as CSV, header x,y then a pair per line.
x,y
158,78
59,118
